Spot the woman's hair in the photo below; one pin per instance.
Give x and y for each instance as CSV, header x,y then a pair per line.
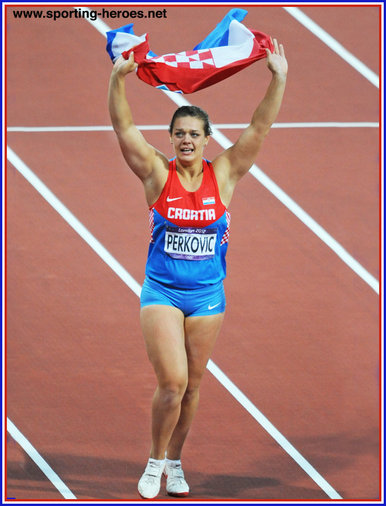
x,y
195,112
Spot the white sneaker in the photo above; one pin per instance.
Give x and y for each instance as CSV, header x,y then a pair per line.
x,y
175,483
150,483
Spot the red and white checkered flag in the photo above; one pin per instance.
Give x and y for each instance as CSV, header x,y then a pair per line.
x,y
195,69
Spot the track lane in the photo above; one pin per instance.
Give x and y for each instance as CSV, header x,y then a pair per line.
x,y
93,378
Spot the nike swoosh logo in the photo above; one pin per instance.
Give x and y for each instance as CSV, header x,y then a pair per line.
x,y
168,199
212,307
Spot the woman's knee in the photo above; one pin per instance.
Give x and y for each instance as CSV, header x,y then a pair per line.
x,y
191,393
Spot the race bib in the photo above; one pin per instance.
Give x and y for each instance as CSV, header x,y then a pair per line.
x,y
190,243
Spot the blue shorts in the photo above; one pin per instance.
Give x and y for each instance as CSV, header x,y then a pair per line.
x,y
208,300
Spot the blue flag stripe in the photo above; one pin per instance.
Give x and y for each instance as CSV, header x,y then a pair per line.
x,y
219,36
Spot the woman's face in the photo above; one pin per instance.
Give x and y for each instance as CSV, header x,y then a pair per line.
x,y
188,138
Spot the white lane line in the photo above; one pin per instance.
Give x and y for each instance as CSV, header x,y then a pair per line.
x,y
39,460
98,24
271,429
333,44
47,194
82,128
332,243
311,124
285,199
230,126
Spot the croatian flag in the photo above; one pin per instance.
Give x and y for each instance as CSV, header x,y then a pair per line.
x,y
229,48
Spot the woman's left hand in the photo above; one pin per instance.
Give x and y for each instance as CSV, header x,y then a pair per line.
x,y
276,60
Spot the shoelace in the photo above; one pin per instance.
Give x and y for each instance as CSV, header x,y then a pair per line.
x,y
153,468
176,472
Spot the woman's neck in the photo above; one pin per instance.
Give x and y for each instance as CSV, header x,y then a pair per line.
x,y
190,172
190,176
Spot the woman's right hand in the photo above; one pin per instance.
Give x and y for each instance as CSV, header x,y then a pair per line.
x,y
124,67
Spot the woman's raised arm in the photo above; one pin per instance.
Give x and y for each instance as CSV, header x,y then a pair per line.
x,y
141,156
234,162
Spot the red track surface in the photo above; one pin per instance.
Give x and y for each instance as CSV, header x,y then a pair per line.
x,y
301,336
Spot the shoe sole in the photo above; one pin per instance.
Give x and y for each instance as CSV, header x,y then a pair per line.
x,y
147,498
182,494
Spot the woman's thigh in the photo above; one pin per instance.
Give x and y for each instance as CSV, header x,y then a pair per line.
x,y
200,337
